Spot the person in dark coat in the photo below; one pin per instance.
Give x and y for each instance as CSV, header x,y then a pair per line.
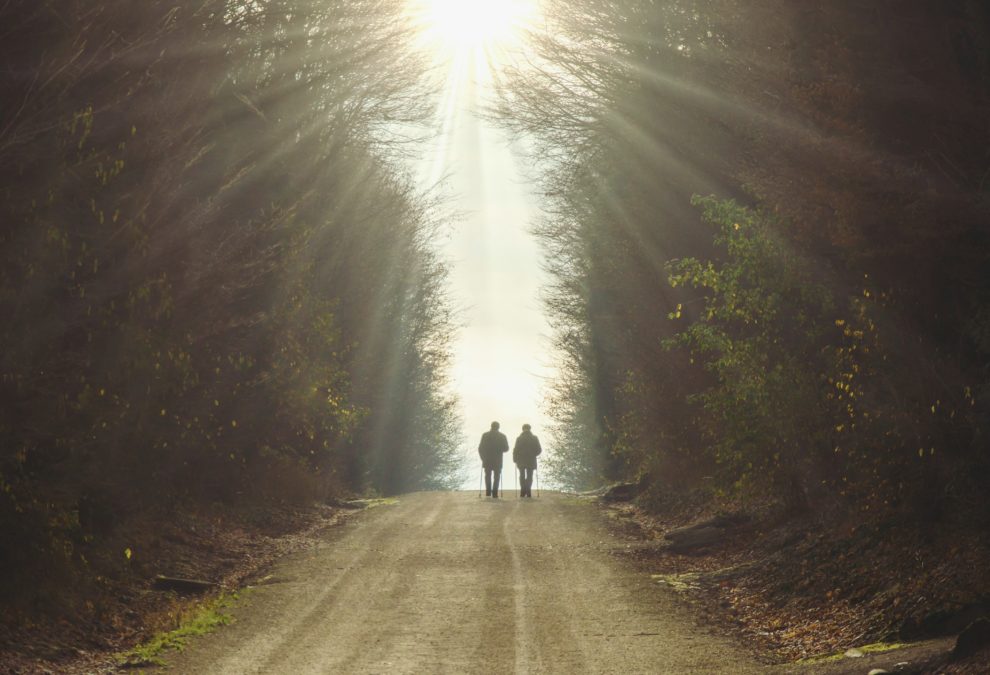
x,y
524,454
493,445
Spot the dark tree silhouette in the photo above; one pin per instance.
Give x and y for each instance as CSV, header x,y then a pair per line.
x,y
216,282
833,351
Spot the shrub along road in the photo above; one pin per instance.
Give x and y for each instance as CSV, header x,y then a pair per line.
x,y
447,582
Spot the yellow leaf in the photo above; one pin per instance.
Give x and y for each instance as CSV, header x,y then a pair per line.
x,y
127,553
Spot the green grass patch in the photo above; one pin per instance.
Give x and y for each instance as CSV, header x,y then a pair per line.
x,y
682,583
875,648
201,620
372,503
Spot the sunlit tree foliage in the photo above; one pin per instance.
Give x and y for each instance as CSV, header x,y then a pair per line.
x,y
215,282
831,350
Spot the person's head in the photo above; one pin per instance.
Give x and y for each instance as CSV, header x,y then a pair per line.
x,y
526,428
494,426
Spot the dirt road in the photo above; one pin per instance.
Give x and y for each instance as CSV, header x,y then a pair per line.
x,y
449,583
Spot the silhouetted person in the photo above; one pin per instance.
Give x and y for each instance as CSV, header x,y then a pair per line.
x,y
524,454
493,445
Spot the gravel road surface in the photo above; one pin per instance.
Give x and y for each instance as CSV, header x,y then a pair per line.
x,y
450,583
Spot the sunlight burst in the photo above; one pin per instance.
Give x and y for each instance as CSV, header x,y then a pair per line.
x,y
457,26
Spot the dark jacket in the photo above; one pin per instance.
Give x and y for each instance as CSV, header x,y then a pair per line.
x,y
526,449
493,444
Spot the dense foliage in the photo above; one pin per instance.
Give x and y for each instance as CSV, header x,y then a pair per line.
x,y
215,282
817,331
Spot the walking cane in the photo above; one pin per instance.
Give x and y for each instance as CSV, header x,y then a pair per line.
x,y
537,472
515,481
481,474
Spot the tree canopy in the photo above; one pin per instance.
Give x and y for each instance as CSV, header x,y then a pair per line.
x,y
217,282
767,230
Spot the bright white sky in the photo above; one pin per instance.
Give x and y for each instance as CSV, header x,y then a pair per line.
x,y
501,357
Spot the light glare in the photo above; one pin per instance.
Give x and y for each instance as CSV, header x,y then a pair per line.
x,y
461,25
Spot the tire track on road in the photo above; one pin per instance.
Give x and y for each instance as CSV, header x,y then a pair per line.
x,y
521,644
